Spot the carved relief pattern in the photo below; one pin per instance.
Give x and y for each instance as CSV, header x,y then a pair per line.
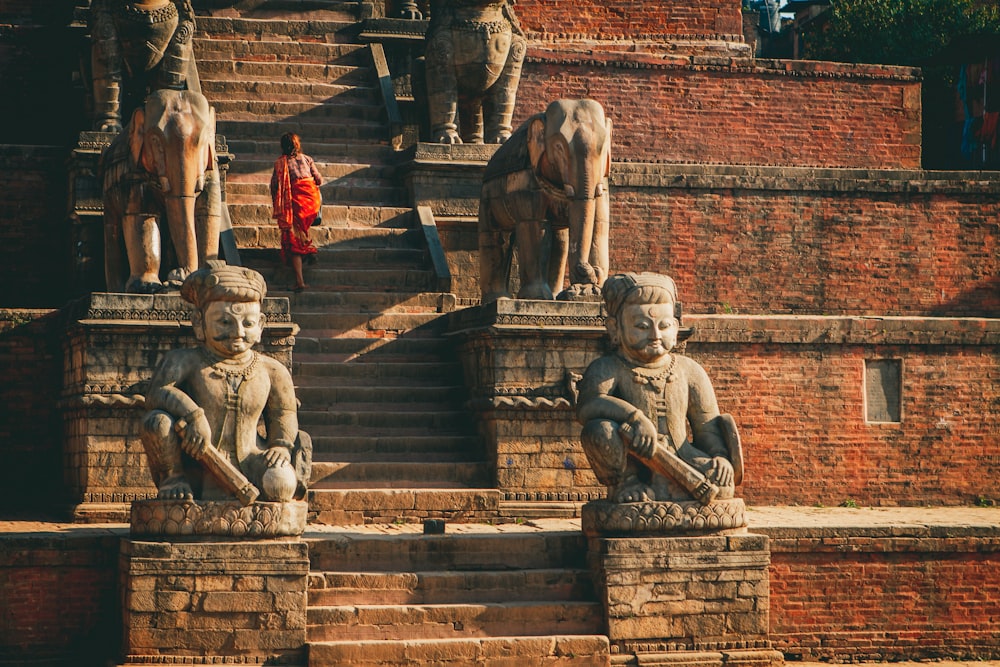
x,y
661,518
219,518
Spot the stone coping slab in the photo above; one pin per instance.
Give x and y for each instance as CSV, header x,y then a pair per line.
x,y
775,521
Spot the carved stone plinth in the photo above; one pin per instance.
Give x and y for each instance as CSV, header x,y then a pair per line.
x,y
609,519
701,601
214,602
175,518
520,360
112,346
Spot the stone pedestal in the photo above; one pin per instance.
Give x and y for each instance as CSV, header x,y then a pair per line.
x,y
521,360
685,600
111,348
214,602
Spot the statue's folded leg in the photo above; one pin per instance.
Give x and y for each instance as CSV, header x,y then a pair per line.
x,y
609,459
163,450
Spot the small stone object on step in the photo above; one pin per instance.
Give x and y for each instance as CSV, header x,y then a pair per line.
x,y
433,526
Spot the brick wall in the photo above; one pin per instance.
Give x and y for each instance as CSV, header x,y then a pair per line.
x,y
862,597
610,19
796,387
736,111
35,253
812,241
30,429
59,595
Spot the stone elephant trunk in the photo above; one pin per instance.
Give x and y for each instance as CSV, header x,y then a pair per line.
x,y
548,188
161,178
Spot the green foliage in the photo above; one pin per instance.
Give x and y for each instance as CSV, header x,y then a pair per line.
x,y
850,502
898,32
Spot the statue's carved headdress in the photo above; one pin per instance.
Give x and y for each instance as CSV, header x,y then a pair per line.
x,y
220,282
630,288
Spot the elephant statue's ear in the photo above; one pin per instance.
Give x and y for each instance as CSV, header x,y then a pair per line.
x,y
536,140
136,130
607,159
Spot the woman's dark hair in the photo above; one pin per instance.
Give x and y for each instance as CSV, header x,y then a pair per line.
x,y
290,144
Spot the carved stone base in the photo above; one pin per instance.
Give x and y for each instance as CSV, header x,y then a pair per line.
x,y
700,600
609,519
212,602
220,518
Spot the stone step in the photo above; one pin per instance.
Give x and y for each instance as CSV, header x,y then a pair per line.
x,y
287,96
347,324
268,149
545,651
375,372
311,304
383,226
345,190
383,473
387,259
450,621
249,175
324,281
220,67
547,544
328,9
313,397
411,349
403,416
310,130
360,106
335,29
221,48
442,587
345,507
253,228
366,442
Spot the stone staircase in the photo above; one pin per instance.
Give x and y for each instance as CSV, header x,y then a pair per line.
x,y
380,389
501,596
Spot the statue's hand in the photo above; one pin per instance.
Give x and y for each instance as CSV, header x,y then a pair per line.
x,y
721,471
196,434
643,432
277,456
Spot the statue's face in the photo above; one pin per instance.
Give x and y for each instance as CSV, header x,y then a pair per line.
x,y
648,331
232,328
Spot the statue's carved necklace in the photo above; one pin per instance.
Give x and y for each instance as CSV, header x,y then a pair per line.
x,y
654,378
231,371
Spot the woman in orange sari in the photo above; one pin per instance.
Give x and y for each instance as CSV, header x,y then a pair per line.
x,y
295,195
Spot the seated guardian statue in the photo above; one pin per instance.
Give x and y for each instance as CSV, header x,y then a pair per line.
x,y
206,403
638,404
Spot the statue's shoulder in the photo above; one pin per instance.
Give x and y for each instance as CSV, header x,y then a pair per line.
x,y
690,368
607,366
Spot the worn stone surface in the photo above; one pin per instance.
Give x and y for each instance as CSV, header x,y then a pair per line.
x,y
214,600
667,594
521,359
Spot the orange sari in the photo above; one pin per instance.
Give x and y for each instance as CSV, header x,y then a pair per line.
x,y
296,205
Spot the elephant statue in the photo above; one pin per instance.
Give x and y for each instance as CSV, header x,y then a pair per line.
x,y
473,56
138,47
546,191
160,177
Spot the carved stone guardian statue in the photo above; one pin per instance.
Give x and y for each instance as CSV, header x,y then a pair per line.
x,y
474,53
637,406
138,47
208,406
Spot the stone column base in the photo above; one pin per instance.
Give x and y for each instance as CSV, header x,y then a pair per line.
x,y
214,602
698,600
